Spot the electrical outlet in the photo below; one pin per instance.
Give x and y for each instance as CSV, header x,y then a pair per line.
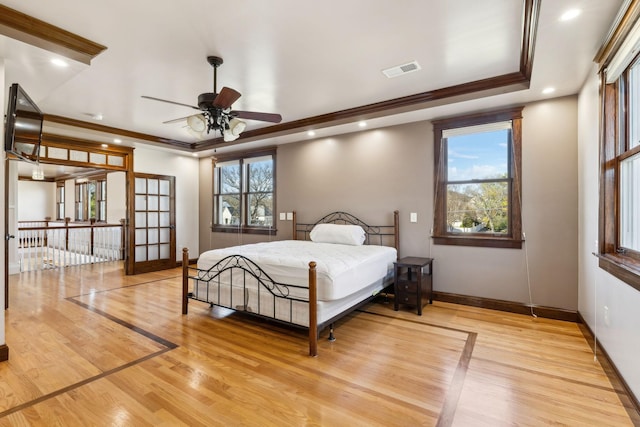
x,y
413,217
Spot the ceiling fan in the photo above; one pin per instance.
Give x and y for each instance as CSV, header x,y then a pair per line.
x,y
216,112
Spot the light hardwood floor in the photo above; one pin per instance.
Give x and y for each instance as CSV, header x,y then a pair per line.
x,y
91,346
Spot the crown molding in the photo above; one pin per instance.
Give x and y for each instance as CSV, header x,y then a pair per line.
x,y
35,32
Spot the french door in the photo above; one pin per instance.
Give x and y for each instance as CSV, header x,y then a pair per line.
x,y
154,245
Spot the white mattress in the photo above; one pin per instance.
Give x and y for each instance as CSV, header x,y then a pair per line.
x,y
342,270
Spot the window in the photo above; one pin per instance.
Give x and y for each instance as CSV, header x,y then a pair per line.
x,y
477,180
91,200
60,200
244,192
619,233
80,201
100,211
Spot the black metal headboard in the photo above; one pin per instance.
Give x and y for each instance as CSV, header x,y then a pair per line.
x,y
383,235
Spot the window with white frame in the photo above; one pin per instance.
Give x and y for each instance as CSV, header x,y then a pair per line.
x,y
244,192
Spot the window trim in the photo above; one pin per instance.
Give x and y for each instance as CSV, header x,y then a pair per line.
x,y
80,192
83,189
514,239
614,149
101,200
60,196
243,228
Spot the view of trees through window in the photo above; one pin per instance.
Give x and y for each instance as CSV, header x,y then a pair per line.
x,y
478,181
245,184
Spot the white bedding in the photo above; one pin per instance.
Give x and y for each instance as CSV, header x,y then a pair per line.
x,y
342,270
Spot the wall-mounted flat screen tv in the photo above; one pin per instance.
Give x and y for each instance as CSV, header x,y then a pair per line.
x,y
23,126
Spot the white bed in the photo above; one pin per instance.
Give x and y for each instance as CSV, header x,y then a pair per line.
x,y
299,282
346,275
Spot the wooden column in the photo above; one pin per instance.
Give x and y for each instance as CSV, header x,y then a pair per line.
x,y
293,227
396,231
185,279
313,310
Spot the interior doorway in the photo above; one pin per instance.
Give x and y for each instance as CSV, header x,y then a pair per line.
x,y
69,152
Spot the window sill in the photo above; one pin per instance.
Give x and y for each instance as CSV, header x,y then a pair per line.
x,y
622,267
244,230
479,241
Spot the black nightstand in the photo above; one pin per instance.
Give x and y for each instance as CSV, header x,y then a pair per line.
x,y
415,285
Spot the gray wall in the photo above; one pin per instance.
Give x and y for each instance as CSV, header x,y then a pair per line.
x,y
373,172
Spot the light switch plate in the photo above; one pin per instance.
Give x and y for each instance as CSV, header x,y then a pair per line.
x,y
289,216
283,216
413,217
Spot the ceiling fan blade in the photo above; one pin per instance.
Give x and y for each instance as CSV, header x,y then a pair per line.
x,y
226,97
181,119
253,115
169,102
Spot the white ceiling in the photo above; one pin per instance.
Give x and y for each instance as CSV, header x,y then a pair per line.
x,y
297,58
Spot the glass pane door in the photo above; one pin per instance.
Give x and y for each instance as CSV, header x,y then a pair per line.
x,y
154,221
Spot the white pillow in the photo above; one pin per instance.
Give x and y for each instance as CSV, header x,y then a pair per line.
x,y
344,234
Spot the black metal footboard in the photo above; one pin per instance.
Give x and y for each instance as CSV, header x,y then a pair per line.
x,y
238,283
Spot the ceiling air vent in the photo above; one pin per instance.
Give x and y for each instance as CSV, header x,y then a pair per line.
x,y
400,70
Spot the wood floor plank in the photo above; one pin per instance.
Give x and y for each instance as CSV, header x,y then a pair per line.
x,y
91,346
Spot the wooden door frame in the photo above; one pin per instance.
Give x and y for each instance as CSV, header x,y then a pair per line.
x,y
6,233
132,215
70,144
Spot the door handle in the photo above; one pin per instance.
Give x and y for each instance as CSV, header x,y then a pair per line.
x,y
172,227
9,236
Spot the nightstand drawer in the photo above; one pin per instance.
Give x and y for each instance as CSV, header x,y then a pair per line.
x,y
410,299
406,287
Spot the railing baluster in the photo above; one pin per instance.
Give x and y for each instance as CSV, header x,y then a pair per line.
x,y
30,256
36,243
62,253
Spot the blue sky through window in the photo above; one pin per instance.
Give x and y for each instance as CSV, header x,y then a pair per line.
x,y
482,155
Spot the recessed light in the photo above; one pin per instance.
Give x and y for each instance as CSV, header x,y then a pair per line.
x,y
570,14
311,133
105,145
117,140
59,62
548,90
362,124
195,154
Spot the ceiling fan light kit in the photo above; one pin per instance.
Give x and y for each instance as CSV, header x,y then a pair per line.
x,y
216,113
237,126
197,123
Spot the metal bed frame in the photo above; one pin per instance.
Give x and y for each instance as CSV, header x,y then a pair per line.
x,y
247,270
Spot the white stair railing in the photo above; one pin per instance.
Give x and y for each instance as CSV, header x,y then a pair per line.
x,y
56,246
